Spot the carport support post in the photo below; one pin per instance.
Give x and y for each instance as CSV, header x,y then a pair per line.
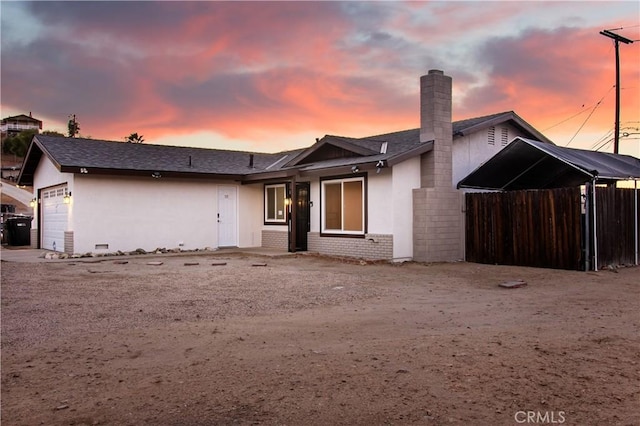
x,y
595,226
635,186
587,227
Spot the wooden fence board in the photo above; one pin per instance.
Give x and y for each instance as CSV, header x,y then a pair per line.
x,y
615,226
540,228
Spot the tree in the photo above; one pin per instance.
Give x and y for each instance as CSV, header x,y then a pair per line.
x,y
52,133
135,138
73,126
18,144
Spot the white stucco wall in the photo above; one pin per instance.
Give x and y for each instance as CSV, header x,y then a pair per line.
x,y
470,152
127,213
251,215
406,177
380,202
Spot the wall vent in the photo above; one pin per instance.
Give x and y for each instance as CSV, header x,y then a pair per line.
x,y
102,246
504,136
491,136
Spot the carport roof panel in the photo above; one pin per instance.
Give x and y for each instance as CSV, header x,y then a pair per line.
x,y
529,164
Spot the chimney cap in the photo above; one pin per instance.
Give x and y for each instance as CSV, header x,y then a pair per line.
x,y
436,72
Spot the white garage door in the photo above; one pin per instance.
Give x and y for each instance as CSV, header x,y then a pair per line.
x,y
54,218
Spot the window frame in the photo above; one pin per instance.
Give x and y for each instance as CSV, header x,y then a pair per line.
x,y
275,221
324,232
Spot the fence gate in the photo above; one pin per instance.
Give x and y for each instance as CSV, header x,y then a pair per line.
x,y
617,226
539,228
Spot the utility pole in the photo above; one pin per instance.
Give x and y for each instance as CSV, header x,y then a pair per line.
x,y
617,39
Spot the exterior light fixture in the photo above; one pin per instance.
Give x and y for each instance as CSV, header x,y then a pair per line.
x,y
287,201
67,198
83,170
156,175
32,203
355,169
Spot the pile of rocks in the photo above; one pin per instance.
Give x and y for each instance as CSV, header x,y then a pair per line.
x,y
136,252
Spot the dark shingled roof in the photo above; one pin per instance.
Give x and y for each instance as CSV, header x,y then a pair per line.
x,y
529,164
74,155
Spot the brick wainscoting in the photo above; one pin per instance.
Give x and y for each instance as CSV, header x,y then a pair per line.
x,y
275,239
68,242
372,247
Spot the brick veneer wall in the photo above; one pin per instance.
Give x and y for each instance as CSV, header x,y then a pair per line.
x,y
372,247
275,239
68,242
34,238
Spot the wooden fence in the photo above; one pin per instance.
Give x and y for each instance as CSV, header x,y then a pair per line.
x,y
541,228
553,228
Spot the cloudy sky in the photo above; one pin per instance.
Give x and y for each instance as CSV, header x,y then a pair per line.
x,y
269,76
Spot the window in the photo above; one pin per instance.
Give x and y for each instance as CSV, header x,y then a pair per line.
x,y
274,203
343,202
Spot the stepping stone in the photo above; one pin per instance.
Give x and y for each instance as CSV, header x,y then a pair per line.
x,y
154,263
259,264
191,263
121,262
513,284
218,263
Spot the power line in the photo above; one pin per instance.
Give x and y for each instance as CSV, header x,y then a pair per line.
x,y
580,112
585,121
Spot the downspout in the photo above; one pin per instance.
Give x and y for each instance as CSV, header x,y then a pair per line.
x,y
595,226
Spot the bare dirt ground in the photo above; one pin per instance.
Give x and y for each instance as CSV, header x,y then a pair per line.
x,y
307,340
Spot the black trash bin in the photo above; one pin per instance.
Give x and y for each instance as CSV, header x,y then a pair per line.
x,y
18,230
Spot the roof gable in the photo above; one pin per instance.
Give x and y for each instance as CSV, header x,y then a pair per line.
x,y
21,118
472,125
331,148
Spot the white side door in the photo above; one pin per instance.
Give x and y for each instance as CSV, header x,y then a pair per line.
x,y
55,215
227,216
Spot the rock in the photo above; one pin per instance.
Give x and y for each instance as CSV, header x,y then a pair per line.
x,y
140,251
63,256
62,407
513,284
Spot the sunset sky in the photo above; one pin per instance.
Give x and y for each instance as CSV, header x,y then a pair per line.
x,y
271,76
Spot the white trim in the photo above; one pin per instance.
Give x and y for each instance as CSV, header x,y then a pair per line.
x,y
275,213
323,227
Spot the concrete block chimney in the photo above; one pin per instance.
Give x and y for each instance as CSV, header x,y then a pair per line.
x,y
435,125
437,213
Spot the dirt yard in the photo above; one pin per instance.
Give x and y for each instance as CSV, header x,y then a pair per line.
x,y
305,340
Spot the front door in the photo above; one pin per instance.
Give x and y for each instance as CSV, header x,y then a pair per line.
x,y
227,217
302,215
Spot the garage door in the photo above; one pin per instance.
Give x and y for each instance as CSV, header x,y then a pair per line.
x,y
54,218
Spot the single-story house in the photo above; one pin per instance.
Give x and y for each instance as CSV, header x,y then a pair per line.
x,y
391,196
